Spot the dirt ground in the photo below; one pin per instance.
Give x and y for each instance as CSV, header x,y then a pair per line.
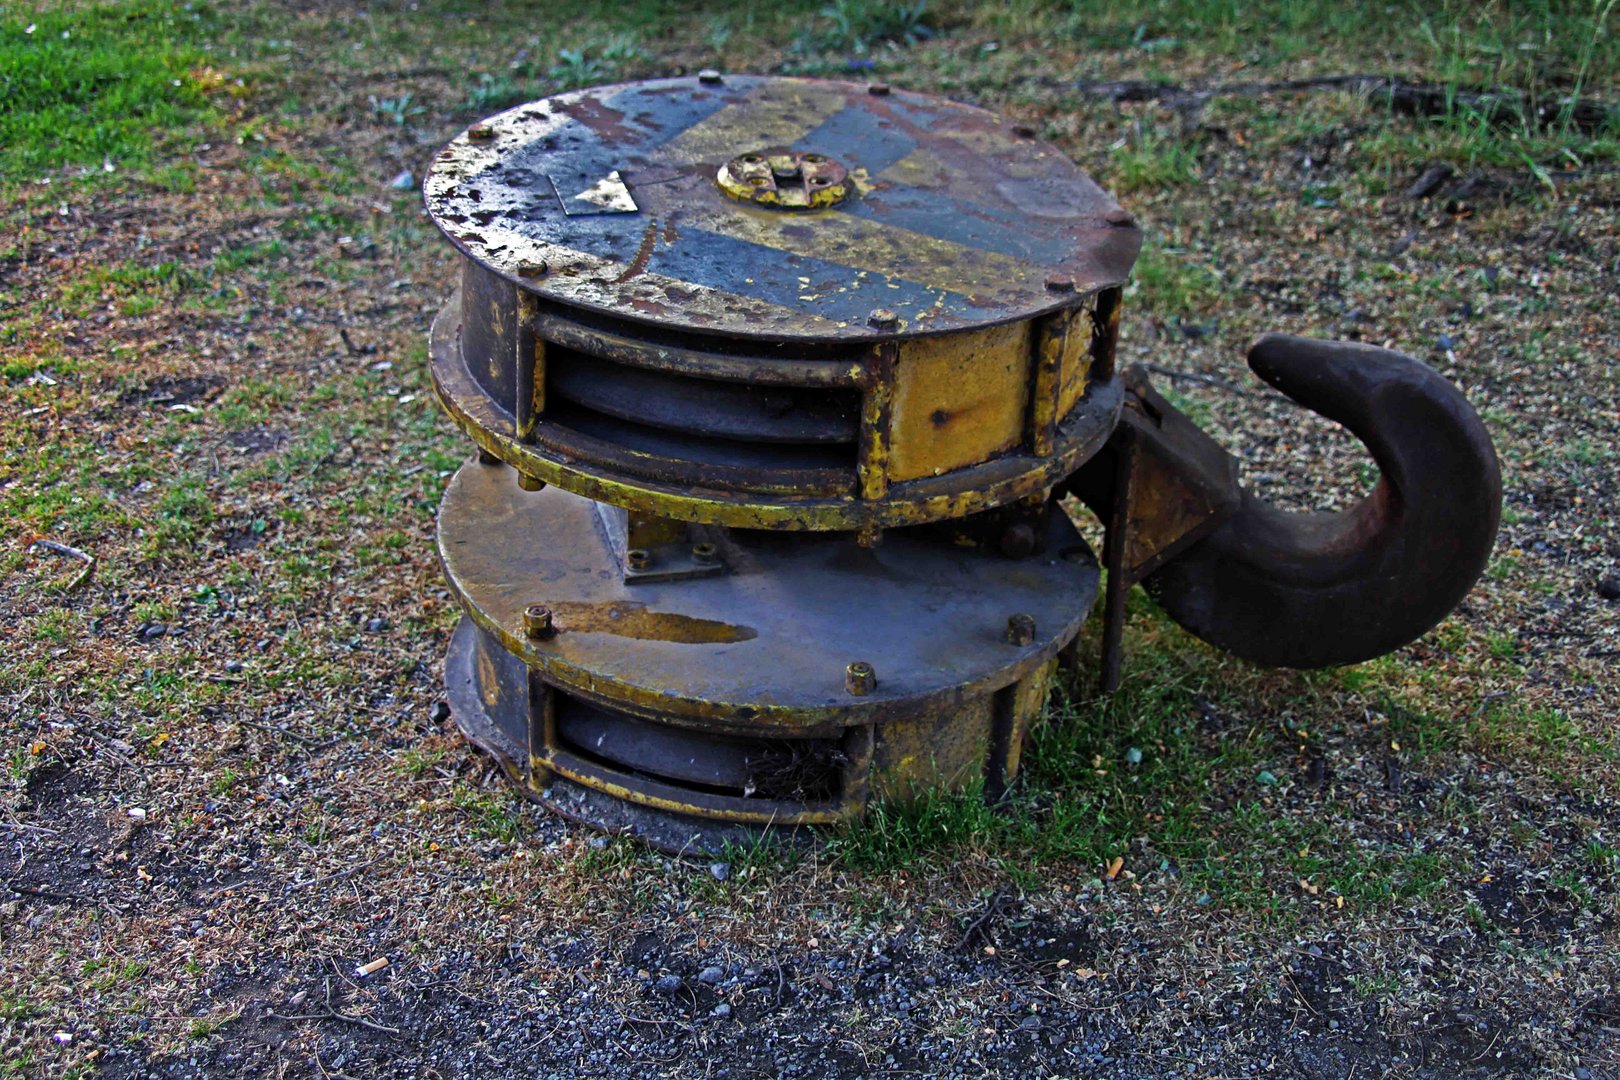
x,y
232,782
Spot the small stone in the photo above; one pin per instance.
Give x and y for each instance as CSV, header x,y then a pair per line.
x,y
711,975
1445,343
153,631
1267,777
1133,756
1608,586
669,984
1030,1023
720,871
720,1011
405,180
439,712
233,667
377,625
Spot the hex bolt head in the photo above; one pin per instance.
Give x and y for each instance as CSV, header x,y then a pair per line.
x,y
1120,218
532,269
1059,283
1023,131
638,558
530,483
883,319
1020,629
859,678
480,132
537,621
878,89
710,77
705,553
487,458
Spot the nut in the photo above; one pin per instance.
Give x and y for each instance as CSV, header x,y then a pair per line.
x,y
859,678
532,269
883,319
878,89
530,483
638,558
480,132
1023,131
1020,629
710,77
537,621
705,553
1059,283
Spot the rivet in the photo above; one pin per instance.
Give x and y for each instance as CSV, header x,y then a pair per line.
x,y
1023,131
537,621
710,77
878,89
859,678
530,483
480,132
532,269
638,558
883,319
1020,629
705,552
1058,283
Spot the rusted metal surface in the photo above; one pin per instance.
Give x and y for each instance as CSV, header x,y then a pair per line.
x,y
1297,589
768,482
954,218
769,642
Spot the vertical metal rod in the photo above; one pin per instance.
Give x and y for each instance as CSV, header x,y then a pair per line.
x,y
542,715
529,369
1006,733
858,745
1051,341
1114,561
877,410
1105,336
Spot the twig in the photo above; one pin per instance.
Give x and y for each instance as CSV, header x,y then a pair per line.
x,y
1210,380
333,1014
85,557
991,908
332,877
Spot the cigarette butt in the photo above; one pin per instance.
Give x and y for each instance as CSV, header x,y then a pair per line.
x,y
373,967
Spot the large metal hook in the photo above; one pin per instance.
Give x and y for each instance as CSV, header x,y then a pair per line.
x,y
1311,590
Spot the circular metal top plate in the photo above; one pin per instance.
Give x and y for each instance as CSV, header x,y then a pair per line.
x,y
607,199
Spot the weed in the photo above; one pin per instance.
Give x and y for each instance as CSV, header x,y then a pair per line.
x,y
1166,283
596,62
859,27
1150,158
395,110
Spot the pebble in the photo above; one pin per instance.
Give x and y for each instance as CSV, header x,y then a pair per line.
x,y
721,1010
711,975
153,631
1444,343
439,712
720,871
405,180
233,667
377,625
669,984
1608,586
1030,1023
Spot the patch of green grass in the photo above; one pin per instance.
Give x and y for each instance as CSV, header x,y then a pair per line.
x,y
133,288
1151,158
1167,283
859,27
596,62
89,84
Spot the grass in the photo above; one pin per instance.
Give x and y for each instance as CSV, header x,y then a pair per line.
x,y
89,85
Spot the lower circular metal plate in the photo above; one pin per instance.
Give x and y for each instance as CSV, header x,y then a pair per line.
x,y
765,646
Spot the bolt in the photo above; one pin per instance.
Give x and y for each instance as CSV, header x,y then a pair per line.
x,y
537,621
638,559
1059,283
1020,629
487,458
480,132
532,269
1023,131
1120,218
859,678
878,89
530,483
710,77
883,319
705,553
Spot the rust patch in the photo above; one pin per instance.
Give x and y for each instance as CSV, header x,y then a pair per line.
x,y
630,619
649,241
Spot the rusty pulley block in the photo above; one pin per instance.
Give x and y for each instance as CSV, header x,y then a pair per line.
x,y
775,383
